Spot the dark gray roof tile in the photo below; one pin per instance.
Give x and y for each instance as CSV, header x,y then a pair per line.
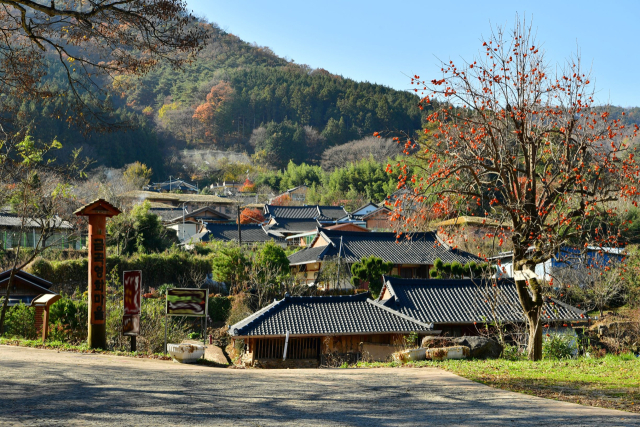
x,y
333,315
466,301
423,248
250,233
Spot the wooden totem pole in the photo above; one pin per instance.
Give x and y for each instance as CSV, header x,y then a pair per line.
x,y
98,212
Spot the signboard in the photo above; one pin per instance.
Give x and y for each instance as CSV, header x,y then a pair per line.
x,y
131,325
187,302
132,298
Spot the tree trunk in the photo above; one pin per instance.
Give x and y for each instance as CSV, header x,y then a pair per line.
x,y
534,347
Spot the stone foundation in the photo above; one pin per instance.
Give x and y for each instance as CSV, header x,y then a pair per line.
x,y
285,364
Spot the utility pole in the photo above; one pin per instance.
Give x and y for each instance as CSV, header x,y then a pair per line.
x,y
239,229
339,261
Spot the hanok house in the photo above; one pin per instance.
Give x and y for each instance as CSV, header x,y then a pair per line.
x,y
321,330
411,258
25,289
190,201
16,231
250,233
305,239
291,220
464,306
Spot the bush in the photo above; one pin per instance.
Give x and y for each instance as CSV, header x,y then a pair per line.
x,y
68,319
559,346
239,309
219,308
20,321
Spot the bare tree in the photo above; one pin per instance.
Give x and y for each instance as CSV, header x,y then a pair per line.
x,y
523,146
40,199
380,149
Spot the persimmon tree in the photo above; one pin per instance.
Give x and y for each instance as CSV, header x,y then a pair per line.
x,y
519,141
251,216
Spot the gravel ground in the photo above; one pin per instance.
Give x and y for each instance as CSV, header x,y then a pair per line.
x,y
47,388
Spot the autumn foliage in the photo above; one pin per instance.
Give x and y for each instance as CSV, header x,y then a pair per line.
x,y
248,186
512,139
251,216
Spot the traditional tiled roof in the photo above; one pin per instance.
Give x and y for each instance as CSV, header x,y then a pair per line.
x,y
323,213
178,198
423,248
293,225
213,216
308,255
12,220
465,301
331,315
250,233
167,214
38,281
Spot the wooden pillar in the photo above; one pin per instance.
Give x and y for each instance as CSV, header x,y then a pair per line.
x,y
45,325
97,212
97,337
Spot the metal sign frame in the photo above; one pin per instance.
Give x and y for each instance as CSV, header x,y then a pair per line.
x,y
166,315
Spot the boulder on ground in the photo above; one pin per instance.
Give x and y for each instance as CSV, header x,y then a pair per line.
x,y
212,353
481,347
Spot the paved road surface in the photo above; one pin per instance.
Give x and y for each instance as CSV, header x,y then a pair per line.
x,y
47,388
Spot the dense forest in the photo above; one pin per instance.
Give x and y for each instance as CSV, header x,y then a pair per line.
x,y
218,102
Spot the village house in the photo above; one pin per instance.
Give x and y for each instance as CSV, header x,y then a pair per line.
x,y
190,201
567,265
378,220
470,231
297,195
411,258
170,186
251,233
460,307
303,332
356,217
292,220
305,239
16,231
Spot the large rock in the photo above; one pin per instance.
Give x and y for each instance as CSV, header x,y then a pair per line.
x,y
432,341
481,347
212,353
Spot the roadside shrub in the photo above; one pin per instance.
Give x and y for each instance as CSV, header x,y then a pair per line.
x,y
68,319
20,321
219,308
512,352
239,309
559,346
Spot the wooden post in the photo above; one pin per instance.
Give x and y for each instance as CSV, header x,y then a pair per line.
x,y
45,325
97,211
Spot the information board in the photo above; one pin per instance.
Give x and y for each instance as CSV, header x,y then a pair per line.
x,y
187,302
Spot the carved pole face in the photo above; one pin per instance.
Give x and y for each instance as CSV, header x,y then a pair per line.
x,y
97,212
97,337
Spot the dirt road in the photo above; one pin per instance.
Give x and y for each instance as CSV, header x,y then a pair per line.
x,y
47,388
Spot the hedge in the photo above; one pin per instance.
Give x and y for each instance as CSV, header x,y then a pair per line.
x,y
157,269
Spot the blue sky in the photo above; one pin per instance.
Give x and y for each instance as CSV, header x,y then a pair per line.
x,y
386,41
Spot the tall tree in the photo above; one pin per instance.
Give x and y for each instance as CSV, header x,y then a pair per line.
x,y
99,44
520,140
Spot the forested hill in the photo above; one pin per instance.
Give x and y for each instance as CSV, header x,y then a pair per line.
x,y
232,89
